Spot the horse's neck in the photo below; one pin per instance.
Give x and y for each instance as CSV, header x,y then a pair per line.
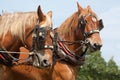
x,y
68,34
28,37
65,33
68,29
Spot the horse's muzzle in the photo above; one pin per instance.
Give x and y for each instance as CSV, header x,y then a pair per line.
x,y
39,61
45,63
97,46
93,46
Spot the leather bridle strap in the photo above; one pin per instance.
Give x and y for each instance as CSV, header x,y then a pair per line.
x,y
65,49
91,32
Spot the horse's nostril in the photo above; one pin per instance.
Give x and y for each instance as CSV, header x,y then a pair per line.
x,y
45,63
97,46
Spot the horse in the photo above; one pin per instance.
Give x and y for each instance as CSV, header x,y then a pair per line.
x,y
27,72
76,35
16,30
29,30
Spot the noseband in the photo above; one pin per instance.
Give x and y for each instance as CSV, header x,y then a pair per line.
x,y
82,23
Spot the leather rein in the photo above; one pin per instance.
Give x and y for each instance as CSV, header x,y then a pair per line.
x,y
63,53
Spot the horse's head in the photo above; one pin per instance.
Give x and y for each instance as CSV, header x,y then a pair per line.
x,y
40,54
90,27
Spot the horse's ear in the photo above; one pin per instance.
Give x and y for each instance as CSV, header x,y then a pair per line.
x,y
49,14
88,8
40,13
79,7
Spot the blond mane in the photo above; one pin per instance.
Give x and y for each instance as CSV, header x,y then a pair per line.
x,y
68,24
15,23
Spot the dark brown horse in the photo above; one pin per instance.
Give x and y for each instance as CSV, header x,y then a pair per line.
x,y
77,34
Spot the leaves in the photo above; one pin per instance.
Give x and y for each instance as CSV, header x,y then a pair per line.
x,y
95,68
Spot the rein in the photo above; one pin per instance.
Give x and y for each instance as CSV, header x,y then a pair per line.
x,y
6,58
63,53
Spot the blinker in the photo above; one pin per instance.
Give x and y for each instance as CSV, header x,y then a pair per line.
x,y
82,24
40,32
101,26
82,20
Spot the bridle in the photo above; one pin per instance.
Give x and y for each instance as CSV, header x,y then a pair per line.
x,y
82,23
38,42
67,54
39,36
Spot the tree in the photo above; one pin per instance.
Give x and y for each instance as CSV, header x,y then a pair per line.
x,y
95,68
112,70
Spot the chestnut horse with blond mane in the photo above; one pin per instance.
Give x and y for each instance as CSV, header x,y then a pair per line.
x,y
31,30
76,35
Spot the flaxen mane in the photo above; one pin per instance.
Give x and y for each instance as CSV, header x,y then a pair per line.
x,y
16,23
69,24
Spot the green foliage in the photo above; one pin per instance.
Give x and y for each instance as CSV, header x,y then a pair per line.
x,y
95,68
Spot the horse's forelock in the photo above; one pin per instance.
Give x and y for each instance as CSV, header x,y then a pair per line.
x,y
89,11
16,23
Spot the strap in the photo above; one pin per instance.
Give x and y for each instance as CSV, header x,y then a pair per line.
x,y
84,52
91,32
5,58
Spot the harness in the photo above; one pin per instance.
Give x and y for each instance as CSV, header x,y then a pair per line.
x,y
39,36
59,46
38,42
62,52
8,59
